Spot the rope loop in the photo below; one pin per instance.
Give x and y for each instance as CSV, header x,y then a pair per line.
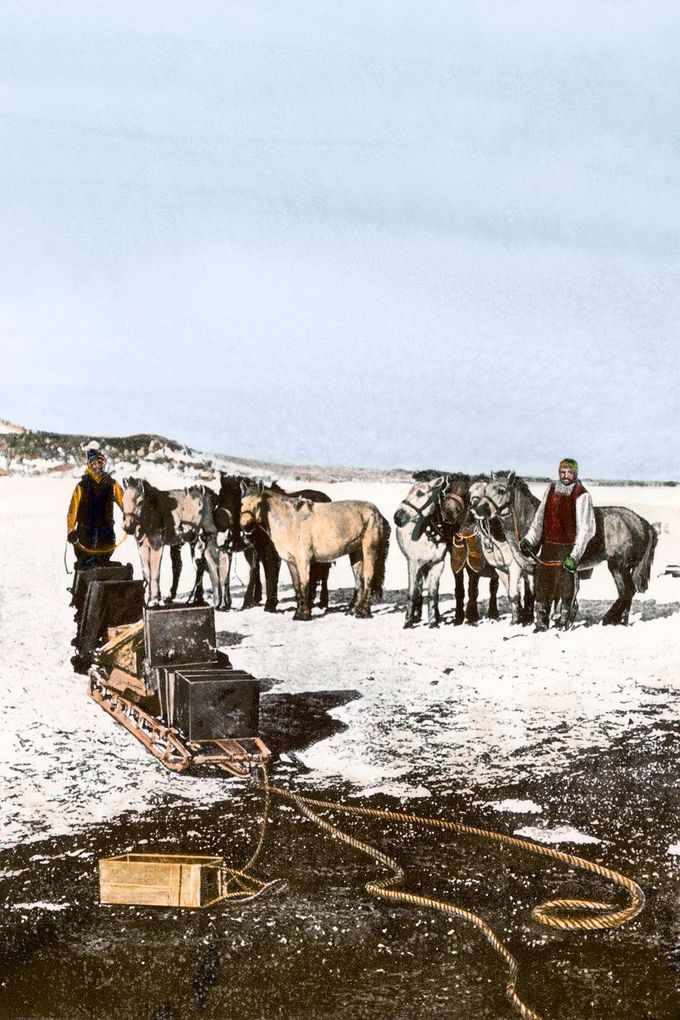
x,y
566,914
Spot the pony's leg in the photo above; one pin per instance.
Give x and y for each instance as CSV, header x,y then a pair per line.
x,y
414,602
212,561
528,606
176,561
324,570
459,580
253,561
272,565
144,554
619,612
314,578
472,612
224,567
362,606
433,579
300,575
357,562
196,597
493,596
514,576
155,575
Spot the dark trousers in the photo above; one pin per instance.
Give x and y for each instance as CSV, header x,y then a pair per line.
x,y
554,582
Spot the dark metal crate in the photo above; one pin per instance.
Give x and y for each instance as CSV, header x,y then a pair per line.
x,y
216,705
175,635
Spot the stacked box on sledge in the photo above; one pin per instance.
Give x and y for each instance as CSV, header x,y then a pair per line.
x,y
198,690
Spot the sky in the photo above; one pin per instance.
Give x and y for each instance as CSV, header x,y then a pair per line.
x,y
379,234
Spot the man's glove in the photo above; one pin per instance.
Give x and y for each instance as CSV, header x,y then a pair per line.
x,y
526,547
72,536
571,564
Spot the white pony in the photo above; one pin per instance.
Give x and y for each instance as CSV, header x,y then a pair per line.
x,y
425,547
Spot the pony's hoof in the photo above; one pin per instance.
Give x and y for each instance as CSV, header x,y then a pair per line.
x,y
434,625
408,625
458,621
270,607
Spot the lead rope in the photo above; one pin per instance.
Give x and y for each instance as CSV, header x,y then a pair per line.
x,y
550,913
249,887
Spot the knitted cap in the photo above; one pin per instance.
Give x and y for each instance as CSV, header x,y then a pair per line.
x,y
570,463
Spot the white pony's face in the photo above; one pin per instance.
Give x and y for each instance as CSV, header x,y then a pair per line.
x,y
488,499
133,501
420,502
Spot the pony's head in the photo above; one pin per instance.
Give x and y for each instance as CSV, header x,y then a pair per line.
x,y
196,511
135,491
490,498
422,500
253,508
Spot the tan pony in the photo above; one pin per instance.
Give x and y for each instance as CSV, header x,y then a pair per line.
x,y
304,532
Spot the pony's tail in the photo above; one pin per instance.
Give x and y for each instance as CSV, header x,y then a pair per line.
x,y
379,572
642,571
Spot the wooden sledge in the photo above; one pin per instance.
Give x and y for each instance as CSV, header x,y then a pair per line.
x,y
240,756
134,693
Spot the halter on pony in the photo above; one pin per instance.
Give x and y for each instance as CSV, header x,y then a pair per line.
x,y
435,523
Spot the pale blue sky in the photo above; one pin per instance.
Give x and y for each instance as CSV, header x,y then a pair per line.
x,y
385,234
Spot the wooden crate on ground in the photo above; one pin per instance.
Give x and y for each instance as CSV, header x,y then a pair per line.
x,y
161,880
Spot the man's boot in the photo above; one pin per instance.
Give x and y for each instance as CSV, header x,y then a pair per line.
x,y
541,617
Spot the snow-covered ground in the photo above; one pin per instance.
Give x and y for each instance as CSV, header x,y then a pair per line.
x,y
442,708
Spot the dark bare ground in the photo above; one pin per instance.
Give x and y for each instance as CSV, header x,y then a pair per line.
x,y
319,946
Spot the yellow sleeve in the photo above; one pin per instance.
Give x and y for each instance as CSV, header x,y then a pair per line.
x,y
72,517
118,494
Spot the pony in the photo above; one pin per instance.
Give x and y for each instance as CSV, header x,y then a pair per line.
x,y
305,532
430,523
623,539
159,518
498,552
258,548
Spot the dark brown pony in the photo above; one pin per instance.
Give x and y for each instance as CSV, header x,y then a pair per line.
x,y
445,513
259,548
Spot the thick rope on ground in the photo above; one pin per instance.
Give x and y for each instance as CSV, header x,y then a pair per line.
x,y
551,913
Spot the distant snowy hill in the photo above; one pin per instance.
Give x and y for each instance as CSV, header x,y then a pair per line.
x,y
6,427
27,452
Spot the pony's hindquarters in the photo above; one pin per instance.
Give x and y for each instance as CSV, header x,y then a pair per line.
x,y
383,531
643,569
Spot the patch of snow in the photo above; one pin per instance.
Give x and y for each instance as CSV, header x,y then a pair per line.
x,y
517,806
402,791
674,849
40,906
561,834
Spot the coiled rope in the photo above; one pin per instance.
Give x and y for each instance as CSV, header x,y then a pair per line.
x,y
565,914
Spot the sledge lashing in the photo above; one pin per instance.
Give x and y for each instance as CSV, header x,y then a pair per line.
x,y
158,672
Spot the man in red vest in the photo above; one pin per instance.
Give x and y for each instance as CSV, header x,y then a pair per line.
x,y
563,525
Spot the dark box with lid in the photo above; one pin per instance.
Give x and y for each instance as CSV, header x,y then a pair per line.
x,y
179,634
216,704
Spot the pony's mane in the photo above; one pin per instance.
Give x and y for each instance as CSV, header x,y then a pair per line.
x,y
427,475
517,482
